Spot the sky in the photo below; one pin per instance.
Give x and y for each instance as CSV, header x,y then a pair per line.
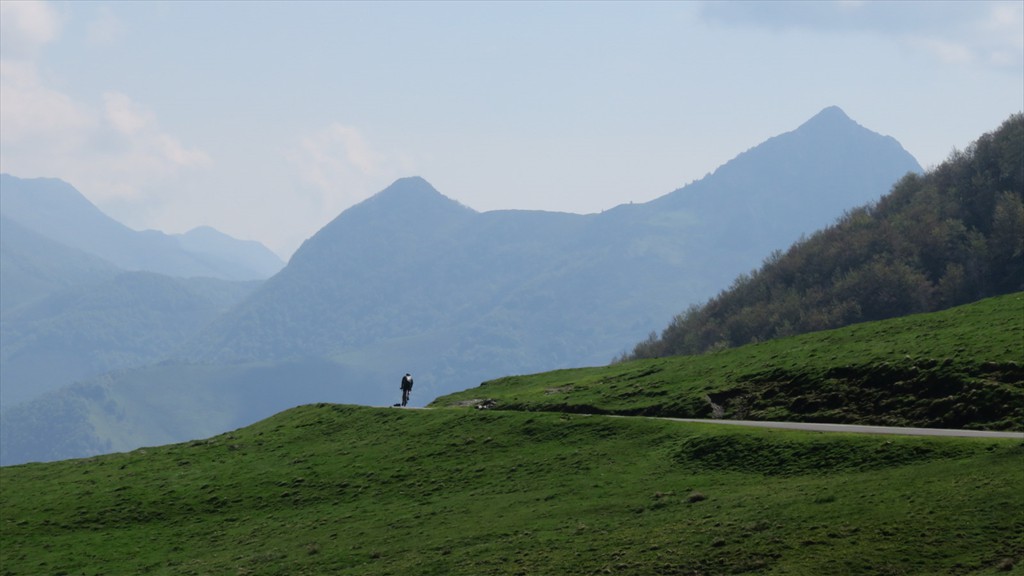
x,y
266,120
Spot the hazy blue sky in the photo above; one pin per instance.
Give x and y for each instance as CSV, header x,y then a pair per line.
x,y
266,120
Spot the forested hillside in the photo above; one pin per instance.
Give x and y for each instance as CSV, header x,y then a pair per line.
x,y
84,330
950,236
35,267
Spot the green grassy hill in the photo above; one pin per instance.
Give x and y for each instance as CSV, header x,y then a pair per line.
x,y
959,368
526,489
331,489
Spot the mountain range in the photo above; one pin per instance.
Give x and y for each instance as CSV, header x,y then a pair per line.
x,y
410,262
81,294
55,210
412,281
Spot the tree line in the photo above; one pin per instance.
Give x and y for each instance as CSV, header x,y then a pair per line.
x,y
950,236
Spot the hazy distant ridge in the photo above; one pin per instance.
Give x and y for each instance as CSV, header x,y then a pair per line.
x,y
55,210
78,295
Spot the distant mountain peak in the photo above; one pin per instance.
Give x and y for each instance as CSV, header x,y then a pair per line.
x,y
411,182
410,195
832,112
830,119
408,205
408,187
792,181
55,210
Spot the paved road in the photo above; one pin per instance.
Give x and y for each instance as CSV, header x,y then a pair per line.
x,y
851,428
861,429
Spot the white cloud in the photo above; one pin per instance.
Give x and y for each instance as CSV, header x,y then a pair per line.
x,y
946,51
173,151
339,164
357,152
1004,29
956,33
116,151
1005,20
34,115
139,150
25,26
126,117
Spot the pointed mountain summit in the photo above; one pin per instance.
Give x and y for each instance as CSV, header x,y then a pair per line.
x,y
832,126
829,144
409,196
793,184
828,119
402,212
410,191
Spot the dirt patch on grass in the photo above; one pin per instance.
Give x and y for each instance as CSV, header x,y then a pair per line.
x,y
478,403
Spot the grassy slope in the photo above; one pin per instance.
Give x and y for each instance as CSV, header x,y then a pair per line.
x,y
956,368
328,489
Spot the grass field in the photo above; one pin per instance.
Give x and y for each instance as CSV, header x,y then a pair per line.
x,y
330,489
537,487
960,368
